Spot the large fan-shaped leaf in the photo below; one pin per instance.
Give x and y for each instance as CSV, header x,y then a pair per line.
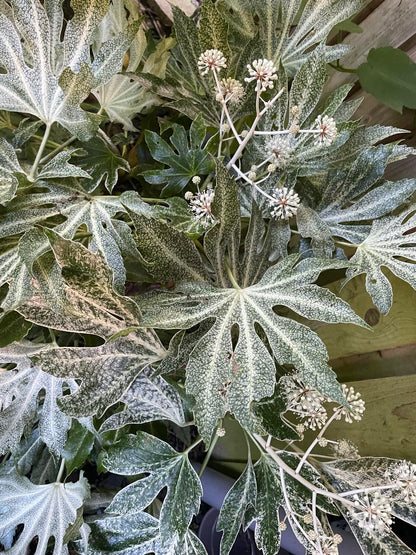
x,y
222,377
389,244
166,468
106,371
49,78
20,389
46,511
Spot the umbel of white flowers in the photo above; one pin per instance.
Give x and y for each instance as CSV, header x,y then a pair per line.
x,y
280,145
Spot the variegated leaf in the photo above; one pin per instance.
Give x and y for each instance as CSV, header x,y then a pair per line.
x,y
20,390
45,511
225,378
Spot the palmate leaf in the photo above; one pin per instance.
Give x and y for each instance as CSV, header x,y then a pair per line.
x,y
358,195
50,78
368,472
137,534
9,166
20,390
223,377
389,244
189,160
112,238
238,508
105,371
165,467
149,398
46,511
102,165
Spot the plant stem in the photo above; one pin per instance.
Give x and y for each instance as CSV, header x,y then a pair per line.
x,y
208,454
249,135
192,446
40,152
57,150
224,106
109,142
60,471
315,441
232,278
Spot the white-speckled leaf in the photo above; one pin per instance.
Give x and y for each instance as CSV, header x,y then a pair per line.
x,y
389,244
149,398
238,508
222,378
60,167
269,499
9,165
46,511
369,472
20,390
165,467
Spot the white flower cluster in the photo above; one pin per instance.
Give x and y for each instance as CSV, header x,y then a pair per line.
x,y
373,512
281,149
404,476
356,408
264,72
345,449
285,203
306,403
232,90
210,60
329,545
200,204
327,130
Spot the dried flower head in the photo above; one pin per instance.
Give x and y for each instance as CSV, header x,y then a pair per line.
x,y
264,72
357,405
232,90
285,203
281,149
306,403
210,60
345,449
200,204
404,476
327,130
307,519
282,526
373,512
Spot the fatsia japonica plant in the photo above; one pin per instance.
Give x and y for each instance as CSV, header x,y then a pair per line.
x,y
170,211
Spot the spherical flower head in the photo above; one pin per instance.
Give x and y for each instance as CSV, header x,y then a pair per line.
x,y
357,405
220,432
282,526
264,72
280,148
404,476
306,403
210,60
232,90
196,180
200,204
328,546
327,128
189,195
345,449
372,512
285,203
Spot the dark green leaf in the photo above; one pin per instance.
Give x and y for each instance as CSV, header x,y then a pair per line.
x,y
78,446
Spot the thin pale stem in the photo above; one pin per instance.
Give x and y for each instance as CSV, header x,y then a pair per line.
x,y
192,446
316,440
259,441
290,511
231,276
208,454
57,150
60,471
40,152
224,106
108,141
369,490
315,522
252,130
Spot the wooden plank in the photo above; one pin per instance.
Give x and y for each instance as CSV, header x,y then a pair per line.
x,y
398,328
391,24
388,427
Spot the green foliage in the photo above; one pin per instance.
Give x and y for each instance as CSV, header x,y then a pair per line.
x,y
164,242
389,75
190,160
